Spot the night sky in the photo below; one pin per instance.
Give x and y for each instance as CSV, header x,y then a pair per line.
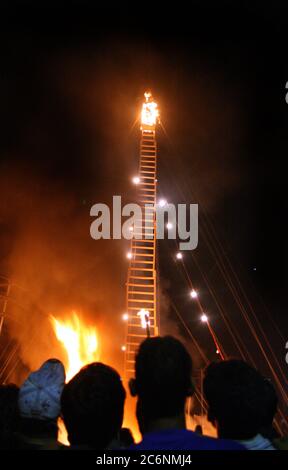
x,y
72,82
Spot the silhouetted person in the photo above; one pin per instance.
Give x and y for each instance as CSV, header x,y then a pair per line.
x,y
39,406
93,406
241,403
9,416
162,384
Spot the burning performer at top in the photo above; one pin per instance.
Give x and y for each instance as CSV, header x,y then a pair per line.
x,y
150,112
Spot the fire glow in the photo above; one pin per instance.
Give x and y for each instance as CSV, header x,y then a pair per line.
x,y
150,112
79,341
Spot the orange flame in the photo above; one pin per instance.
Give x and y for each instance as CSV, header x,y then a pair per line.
x,y
150,112
80,343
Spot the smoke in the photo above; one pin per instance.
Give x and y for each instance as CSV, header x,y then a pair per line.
x,y
53,264
71,113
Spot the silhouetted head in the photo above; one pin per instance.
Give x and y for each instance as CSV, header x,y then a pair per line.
x,y
9,415
163,379
93,405
239,399
269,402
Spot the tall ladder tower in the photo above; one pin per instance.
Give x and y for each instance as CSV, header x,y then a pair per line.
x,y
141,287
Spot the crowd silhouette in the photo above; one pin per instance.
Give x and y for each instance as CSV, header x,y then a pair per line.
x,y
241,405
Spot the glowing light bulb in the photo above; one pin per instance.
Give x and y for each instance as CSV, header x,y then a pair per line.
x,y
169,225
179,255
136,180
123,348
131,228
204,318
193,294
162,202
129,255
217,351
125,316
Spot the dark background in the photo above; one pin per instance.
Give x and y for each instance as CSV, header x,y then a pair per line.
x,y
71,84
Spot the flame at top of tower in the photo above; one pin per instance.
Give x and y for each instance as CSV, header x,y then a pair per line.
x,y
150,111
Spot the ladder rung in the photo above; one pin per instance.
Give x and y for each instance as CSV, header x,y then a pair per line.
x,y
142,261
141,301
146,308
132,284
148,218
140,292
133,268
149,235
144,247
138,336
138,325
138,328
144,254
141,277
137,317
142,286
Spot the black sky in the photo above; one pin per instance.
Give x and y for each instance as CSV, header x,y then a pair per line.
x,y
72,81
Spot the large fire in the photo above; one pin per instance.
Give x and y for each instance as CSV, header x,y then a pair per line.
x,y
81,347
80,343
